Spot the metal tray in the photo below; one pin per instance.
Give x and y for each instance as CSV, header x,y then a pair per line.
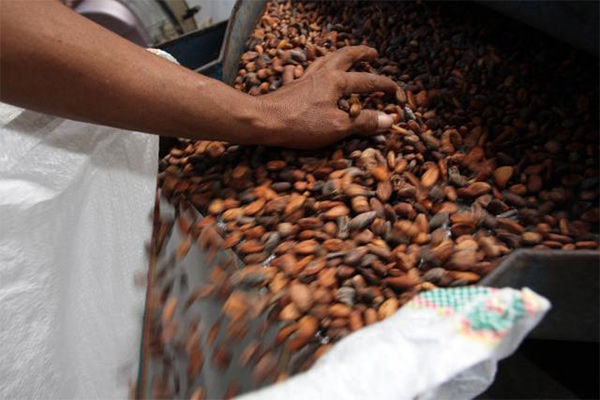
x,y
568,279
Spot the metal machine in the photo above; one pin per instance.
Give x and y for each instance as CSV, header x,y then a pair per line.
x,y
145,23
569,279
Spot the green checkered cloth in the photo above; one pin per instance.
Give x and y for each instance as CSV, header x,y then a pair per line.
x,y
481,310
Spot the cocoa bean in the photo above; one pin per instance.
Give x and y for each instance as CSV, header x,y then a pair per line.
x,y
468,172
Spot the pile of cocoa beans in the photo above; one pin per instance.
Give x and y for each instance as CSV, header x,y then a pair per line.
x,y
494,148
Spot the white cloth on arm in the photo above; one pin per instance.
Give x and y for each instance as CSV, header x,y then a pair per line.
x,y
75,201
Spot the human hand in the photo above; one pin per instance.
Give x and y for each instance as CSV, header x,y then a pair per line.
x,y
304,113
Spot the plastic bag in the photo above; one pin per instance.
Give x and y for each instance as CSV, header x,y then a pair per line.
x,y
444,344
75,201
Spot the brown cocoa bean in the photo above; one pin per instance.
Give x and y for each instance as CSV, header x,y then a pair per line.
x,y
301,296
531,238
339,310
502,175
388,308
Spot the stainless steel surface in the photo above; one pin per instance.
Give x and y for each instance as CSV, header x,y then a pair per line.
x,y
146,23
115,16
183,277
242,22
162,19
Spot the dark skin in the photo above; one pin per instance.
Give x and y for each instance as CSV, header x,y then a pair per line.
x,y
54,61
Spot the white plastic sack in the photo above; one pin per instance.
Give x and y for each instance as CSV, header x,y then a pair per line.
x,y
75,201
444,344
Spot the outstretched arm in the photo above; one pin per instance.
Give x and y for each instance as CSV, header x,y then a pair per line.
x,y
54,61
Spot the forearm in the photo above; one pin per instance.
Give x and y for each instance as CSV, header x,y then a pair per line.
x,y
56,62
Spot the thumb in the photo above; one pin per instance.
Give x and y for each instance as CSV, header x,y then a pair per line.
x,y
370,122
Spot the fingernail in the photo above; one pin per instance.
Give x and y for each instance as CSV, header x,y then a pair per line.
x,y
384,122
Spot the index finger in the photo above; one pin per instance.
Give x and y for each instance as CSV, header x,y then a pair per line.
x,y
365,82
344,58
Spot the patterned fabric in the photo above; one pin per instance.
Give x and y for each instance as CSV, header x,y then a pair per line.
x,y
484,313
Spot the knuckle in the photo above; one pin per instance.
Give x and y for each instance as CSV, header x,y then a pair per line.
x,y
340,81
351,52
347,50
369,82
340,125
372,83
367,121
368,51
331,74
372,121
